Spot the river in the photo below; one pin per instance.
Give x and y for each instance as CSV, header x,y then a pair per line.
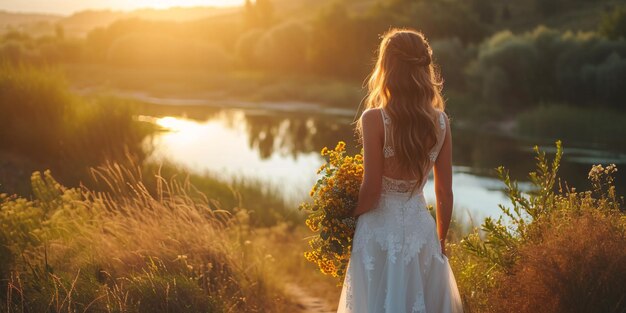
x,y
279,143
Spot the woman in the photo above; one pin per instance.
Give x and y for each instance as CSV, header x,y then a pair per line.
x,y
398,262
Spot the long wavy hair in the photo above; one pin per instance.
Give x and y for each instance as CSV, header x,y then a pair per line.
x,y
407,85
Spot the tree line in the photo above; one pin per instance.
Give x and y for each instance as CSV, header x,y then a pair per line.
x,y
477,59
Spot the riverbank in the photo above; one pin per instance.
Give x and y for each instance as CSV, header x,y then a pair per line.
x,y
190,90
210,86
599,127
271,143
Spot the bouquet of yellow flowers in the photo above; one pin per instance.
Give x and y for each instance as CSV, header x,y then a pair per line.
x,y
334,197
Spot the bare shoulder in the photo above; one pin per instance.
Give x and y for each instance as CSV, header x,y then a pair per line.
x,y
372,125
372,118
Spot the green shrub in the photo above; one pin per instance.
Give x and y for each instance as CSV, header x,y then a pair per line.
x,y
521,70
340,54
555,249
42,121
453,57
484,9
548,7
613,24
34,104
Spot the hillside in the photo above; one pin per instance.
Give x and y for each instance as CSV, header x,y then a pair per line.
x,y
80,23
12,18
31,23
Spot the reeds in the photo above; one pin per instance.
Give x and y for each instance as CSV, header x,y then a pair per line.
x,y
43,122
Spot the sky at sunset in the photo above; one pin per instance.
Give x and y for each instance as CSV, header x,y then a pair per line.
x,y
67,7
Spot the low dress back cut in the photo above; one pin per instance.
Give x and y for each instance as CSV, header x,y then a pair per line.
x,y
407,185
396,264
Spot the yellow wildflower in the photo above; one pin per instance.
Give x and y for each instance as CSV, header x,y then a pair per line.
x,y
334,197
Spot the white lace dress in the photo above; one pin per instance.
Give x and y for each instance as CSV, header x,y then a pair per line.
x,y
396,264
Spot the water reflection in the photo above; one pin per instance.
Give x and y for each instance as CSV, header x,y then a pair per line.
x,y
282,149
228,145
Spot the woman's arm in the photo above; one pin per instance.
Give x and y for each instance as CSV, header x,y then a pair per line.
x,y
443,187
373,140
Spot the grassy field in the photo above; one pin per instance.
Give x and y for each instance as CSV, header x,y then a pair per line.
x,y
118,247
206,85
123,249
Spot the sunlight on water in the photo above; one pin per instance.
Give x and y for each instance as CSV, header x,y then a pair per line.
x,y
228,145
174,124
475,197
222,147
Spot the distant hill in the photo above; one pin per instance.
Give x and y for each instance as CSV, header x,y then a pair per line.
x,y
10,18
80,23
182,13
32,23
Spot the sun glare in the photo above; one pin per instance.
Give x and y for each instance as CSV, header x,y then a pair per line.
x,y
164,4
72,6
175,124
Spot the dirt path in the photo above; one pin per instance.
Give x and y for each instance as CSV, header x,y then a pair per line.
x,y
308,303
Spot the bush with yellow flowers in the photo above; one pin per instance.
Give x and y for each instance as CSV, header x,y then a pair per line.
x,y
334,197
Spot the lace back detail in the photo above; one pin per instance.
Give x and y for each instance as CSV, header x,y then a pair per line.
x,y
391,185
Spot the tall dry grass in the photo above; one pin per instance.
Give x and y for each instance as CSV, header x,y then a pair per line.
x,y
123,249
580,266
265,204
